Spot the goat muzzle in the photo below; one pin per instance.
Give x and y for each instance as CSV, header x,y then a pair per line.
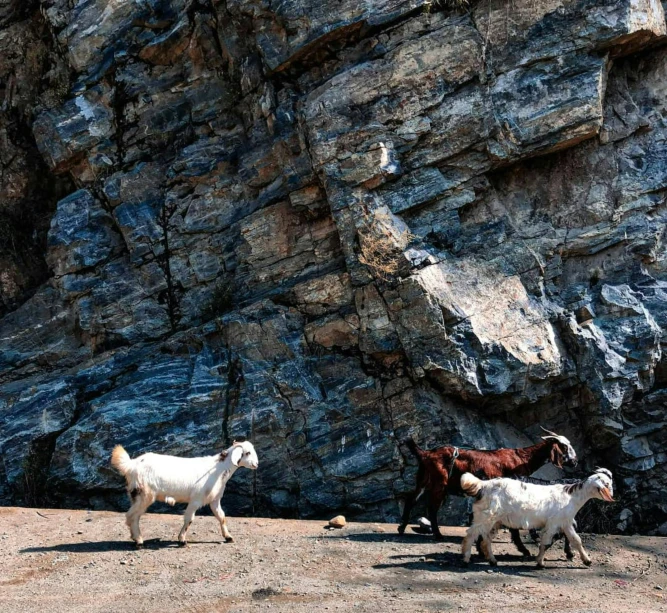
x,y
606,494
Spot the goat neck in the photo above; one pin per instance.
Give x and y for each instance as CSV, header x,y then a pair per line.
x,y
225,465
580,493
533,458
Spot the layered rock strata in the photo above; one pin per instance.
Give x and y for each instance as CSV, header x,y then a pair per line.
x,y
327,226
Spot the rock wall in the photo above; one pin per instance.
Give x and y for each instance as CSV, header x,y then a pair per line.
x,y
326,226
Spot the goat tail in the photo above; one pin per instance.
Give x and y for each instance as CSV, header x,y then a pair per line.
x,y
121,460
413,447
470,484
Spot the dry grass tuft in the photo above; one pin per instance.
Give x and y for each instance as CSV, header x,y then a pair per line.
x,y
381,244
446,4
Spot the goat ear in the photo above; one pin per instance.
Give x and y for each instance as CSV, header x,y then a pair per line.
x,y
223,455
556,456
237,454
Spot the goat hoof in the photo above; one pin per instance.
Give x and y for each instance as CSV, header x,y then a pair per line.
x,y
587,562
229,539
139,545
493,562
540,566
401,529
569,556
438,537
182,543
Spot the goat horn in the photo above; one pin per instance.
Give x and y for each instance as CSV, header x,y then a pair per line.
x,y
549,431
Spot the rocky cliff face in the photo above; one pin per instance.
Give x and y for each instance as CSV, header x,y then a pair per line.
x,y
325,226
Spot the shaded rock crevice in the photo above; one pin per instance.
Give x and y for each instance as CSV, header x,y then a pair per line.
x,y
33,76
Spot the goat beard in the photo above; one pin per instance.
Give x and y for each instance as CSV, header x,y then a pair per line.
x,y
557,457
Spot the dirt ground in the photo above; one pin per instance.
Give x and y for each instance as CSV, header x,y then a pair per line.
x,y
55,560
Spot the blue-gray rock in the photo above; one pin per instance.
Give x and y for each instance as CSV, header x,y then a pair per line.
x,y
82,235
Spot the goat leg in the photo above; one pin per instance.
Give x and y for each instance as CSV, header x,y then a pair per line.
x,y
412,498
569,554
220,516
141,500
487,549
434,505
478,546
481,534
573,537
518,543
410,501
472,534
546,536
187,520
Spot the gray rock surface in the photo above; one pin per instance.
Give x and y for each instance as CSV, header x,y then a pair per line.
x,y
328,226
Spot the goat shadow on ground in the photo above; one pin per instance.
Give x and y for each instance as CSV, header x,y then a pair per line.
x,y
452,562
394,537
98,546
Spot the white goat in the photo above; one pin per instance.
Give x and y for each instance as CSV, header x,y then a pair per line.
x,y
511,503
170,479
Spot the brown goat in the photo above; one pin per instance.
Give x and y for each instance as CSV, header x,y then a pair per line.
x,y
439,473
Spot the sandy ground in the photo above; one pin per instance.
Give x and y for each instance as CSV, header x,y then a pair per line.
x,y
55,560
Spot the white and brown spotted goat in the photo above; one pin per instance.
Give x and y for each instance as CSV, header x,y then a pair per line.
x,y
170,479
550,508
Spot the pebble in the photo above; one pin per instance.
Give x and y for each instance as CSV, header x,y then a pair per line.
x,y
338,522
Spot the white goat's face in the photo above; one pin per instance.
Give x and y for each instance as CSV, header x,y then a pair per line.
x,y
604,485
244,454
